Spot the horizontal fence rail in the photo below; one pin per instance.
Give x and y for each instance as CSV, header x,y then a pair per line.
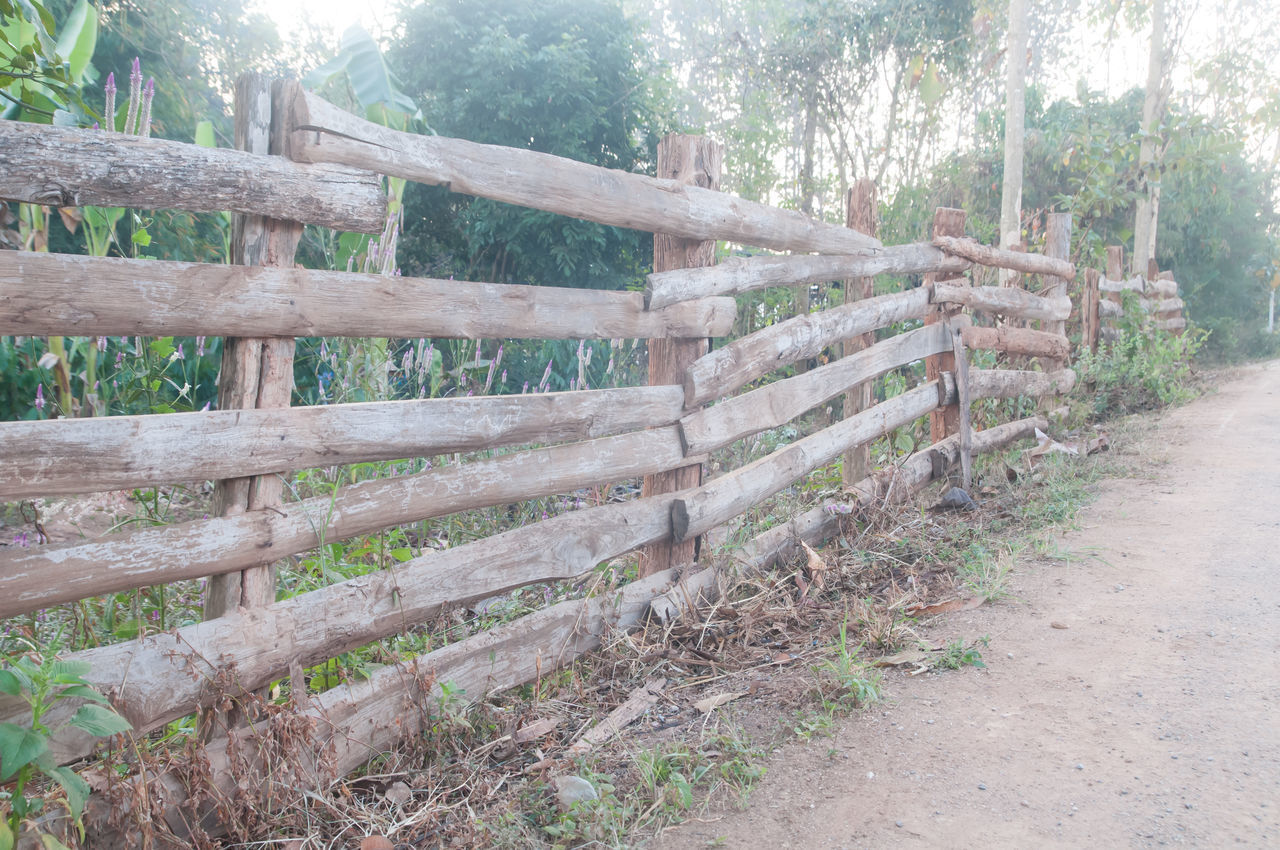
x,y
64,167
93,296
54,457
745,274
554,184
256,538
151,682
742,361
498,659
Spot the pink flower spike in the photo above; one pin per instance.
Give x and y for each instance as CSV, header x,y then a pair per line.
x,y
109,109
39,396
144,122
136,73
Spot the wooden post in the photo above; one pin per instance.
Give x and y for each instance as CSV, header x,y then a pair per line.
x,y
1115,262
963,400
1089,318
256,373
860,215
694,160
1058,245
945,422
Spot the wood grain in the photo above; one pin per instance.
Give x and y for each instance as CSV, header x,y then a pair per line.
x,y
54,457
745,274
743,360
545,182
228,544
92,296
1005,301
781,401
63,167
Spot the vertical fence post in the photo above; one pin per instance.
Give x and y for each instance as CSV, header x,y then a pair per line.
x,y
945,422
695,160
1089,312
256,373
860,215
1057,244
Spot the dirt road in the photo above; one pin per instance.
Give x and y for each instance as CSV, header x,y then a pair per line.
x,y
1151,719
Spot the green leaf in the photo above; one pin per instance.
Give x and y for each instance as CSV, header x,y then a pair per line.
x,y
18,748
83,692
9,683
77,789
52,843
6,835
141,237
366,69
204,135
69,672
99,721
78,38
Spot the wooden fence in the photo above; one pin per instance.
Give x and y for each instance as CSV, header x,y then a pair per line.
x,y
304,161
1102,303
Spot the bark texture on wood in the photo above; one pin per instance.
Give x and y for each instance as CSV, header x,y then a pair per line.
x,y
1115,262
1090,315
687,161
1017,341
726,369
973,250
1004,301
159,678
66,167
1133,284
746,274
781,401
963,400
350,722
256,372
781,543
53,457
943,423
735,492
257,537
542,181
1010,383
860,214
94,296
1058,247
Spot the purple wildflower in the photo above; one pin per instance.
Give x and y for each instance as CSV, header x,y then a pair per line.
x,y
200,346
109,110
39,396
148,94
102,343
135,97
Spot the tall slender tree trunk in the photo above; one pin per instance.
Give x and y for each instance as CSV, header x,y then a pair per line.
x,y
807,188
1144,231
1014,126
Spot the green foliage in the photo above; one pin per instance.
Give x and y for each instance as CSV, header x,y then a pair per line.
x,y
42,64
1143,368
563,77
959,653
41,680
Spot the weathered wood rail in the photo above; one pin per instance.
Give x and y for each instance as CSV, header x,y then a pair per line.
x,y
530,446
1103,301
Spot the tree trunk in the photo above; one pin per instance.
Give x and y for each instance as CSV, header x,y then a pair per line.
x,y
1014,121
1152,109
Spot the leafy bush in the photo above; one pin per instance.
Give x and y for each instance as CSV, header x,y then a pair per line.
x,y
1144,368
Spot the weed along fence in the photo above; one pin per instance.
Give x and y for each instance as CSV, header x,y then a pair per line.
x,y
301,160
1103,303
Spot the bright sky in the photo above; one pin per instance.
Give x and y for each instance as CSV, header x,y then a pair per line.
x,y
335,15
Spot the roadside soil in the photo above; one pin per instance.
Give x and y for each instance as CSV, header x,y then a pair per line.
x,y
1132,691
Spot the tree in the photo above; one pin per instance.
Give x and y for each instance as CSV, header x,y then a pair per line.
x,y
560,76
1014,118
